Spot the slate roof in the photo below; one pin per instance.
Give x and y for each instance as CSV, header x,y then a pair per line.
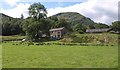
x,y
55,29
97,30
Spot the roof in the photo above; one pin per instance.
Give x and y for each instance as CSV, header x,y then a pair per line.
x,y
55,29
98,30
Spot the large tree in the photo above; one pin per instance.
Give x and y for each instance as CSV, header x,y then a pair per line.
x,y
36,24
37,10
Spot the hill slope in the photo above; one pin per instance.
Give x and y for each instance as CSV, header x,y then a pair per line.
x,y
9,25
5,18
75,18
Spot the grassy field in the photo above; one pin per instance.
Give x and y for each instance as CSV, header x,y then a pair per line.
x,y
14,37
0,56
56,56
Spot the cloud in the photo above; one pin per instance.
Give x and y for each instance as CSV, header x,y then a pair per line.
x,y
21,8
98,10
12,2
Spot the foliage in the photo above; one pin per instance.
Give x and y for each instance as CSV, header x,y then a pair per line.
x,y
78,22
35,29
0,29
61,22
37,24
74,39
10,26
75,19
79,28
102,38
101,25
37,10
116,26
22,17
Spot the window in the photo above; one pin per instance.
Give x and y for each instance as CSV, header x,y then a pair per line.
x,y
58,36
59,32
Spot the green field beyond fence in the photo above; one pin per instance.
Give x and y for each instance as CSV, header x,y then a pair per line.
x,y
78,51
12,38
59,56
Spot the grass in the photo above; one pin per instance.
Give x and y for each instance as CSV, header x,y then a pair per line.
x,y
13,37
0,56
56,56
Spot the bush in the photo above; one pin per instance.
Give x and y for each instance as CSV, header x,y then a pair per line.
x,y
30,43
37,44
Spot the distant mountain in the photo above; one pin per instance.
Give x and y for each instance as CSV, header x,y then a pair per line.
x,y
75,18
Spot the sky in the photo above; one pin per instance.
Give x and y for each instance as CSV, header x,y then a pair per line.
x,y
103,11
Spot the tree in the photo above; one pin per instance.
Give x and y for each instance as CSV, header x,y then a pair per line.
x,y
90,27
61,22
10,26
79,28
22,17
101,25
35,29
0,28
37,10
15,28
116,26
6,29
54,18
37,24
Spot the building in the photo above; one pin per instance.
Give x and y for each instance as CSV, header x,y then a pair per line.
x,y
57,33
98,30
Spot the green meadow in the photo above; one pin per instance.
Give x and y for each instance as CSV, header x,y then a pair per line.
x,y
11,38
60,40
0,56
58,56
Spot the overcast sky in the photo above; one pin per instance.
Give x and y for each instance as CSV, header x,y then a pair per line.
x,y
104,11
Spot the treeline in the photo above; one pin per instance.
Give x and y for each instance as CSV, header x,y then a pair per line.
x,y
38,24
10,26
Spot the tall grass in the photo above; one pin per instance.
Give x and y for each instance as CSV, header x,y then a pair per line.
x,y
99,38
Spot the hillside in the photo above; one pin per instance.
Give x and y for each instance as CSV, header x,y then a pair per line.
x,y
6,18
75,18
10,25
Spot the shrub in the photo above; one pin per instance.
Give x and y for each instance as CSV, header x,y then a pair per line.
x,y
30,43
37,44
